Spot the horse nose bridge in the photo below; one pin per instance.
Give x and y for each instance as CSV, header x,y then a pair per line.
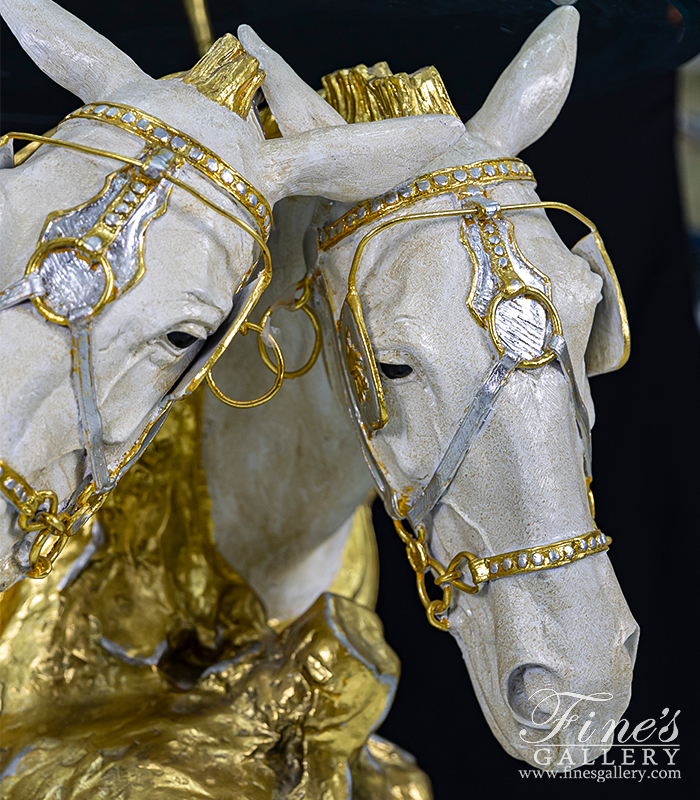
x,y
523,642
528,464
554,632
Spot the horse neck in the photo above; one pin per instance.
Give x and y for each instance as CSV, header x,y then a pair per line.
x,y
298,473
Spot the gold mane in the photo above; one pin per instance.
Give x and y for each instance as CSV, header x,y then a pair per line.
x,y
366,94
227,75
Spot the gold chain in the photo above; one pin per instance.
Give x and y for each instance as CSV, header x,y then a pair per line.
x,y
56,529
38,513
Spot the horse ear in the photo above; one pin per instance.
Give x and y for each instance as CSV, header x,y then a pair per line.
x,y
69,51
528,96
320,154
352,162
295,105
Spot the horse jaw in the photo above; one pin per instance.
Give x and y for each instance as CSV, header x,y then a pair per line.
x,y
38,421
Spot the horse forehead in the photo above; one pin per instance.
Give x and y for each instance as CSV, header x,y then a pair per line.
x,y
423,258
203,258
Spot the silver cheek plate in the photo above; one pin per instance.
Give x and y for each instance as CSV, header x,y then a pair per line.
x,y
72,289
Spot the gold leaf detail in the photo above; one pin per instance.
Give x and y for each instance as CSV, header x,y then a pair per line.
x,y
227,75
355,363
365,94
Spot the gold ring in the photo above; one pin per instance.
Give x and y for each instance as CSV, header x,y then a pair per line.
x,y
525,291
64,244
297,373
279,380
40,565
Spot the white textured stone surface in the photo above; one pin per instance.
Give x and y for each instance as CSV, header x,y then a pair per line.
x,y
283,477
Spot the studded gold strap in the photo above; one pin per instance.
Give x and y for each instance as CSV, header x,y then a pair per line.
x,y
534,559
205,161
473,177
489,568
17,491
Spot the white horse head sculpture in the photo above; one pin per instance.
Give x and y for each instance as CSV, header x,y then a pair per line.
x,y
205,169
436,319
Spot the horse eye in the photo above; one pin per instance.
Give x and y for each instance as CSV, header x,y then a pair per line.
x,y
182,340
394,371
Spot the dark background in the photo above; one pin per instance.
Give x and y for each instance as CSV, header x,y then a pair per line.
x,y
618,130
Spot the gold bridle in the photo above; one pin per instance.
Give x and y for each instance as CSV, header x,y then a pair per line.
x,y
363,385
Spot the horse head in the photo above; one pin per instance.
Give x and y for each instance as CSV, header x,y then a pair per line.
x,y
147,269
465,330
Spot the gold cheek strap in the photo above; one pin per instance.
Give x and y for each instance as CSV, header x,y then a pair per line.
x,y
419,508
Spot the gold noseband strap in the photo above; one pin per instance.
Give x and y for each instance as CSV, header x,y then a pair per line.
x,y
516,562
534,559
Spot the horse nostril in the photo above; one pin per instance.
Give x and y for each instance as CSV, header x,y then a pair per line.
x,y
530,687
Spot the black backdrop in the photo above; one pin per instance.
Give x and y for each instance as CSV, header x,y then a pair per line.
x,y
618,127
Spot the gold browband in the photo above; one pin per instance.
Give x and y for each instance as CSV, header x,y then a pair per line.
x,y
207,163
443,181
